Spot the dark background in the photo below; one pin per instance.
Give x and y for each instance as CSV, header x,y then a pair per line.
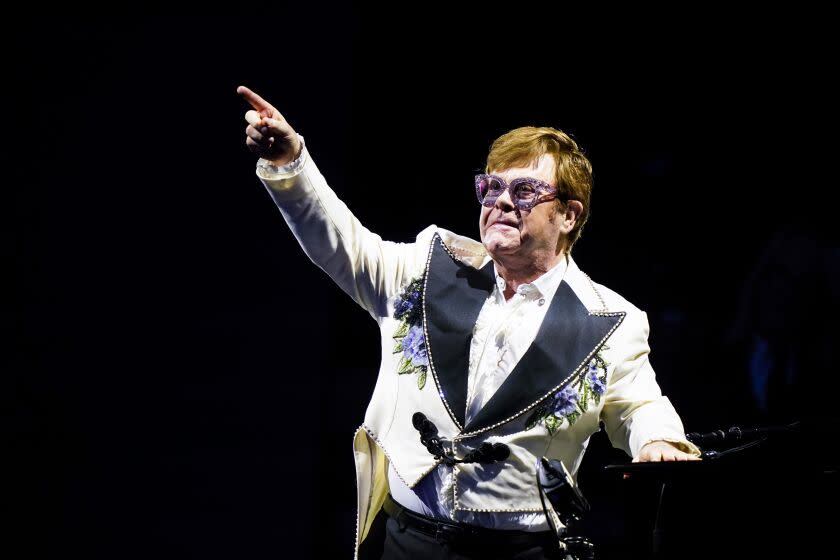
x,y
180,381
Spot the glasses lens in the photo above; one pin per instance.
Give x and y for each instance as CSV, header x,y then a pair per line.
x,y
525,192
481,187
489,189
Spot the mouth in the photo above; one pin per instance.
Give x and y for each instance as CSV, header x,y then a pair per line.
x,y
506,223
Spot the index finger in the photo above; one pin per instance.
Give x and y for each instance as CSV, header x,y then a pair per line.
x,y
255,100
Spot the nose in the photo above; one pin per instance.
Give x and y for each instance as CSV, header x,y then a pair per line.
x,y
505,202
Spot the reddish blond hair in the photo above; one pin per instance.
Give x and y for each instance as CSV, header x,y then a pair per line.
x,y
573,175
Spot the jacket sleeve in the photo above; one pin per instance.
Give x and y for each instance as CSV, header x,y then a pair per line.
x,y
367,268
635,411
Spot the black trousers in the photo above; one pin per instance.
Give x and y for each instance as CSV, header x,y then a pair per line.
x,y
387,540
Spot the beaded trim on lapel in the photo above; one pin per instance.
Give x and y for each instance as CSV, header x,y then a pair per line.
x,y
453,294
452,297
570,403
576,371
426,331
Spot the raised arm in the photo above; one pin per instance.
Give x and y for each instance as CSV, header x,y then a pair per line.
x,y
367,268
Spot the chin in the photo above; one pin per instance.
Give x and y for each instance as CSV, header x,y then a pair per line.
x,y
499,247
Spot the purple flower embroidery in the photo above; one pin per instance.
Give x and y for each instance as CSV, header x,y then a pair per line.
x,y
565,402
595,382
414,347
409,336
403,307
575,398
407,303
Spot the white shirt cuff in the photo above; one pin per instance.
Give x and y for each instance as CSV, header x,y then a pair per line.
x,y
267,170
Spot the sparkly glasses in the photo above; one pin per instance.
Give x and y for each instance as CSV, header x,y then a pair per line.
x,y
525,192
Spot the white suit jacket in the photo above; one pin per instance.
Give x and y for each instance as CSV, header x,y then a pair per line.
x,y
587,326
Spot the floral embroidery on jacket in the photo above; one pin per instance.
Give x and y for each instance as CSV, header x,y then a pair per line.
x,y
574,399
409,336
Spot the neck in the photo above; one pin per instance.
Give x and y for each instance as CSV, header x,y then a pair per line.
x,y
518,271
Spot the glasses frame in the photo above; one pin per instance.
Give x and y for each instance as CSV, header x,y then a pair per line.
x,y
545,192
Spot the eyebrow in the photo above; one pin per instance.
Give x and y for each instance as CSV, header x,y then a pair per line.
x,y
522,177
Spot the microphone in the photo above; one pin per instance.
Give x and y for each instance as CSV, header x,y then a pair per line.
x,y
736,434
717,435
561,489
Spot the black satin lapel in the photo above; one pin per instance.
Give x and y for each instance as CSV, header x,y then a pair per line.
x,y
452,299
567,336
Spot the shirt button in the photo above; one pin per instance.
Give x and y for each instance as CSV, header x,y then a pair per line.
x,y
542,301
501,283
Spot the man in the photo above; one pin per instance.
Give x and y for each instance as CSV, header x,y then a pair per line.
x,y
495,354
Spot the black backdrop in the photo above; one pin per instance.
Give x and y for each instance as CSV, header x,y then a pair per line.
x,y
168,340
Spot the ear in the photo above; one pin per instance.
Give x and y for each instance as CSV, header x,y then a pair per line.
x,y
573,210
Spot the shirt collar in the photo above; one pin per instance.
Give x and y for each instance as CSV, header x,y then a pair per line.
x,y
544,286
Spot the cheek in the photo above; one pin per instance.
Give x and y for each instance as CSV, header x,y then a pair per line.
x,y
542,220
529,221
482,218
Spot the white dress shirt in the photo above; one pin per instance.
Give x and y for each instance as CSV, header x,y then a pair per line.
x,y
503,332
